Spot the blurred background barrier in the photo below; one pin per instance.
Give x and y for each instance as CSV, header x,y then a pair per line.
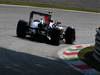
x,y
96,53
81,4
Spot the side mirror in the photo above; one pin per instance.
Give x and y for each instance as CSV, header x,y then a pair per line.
x,y
49,12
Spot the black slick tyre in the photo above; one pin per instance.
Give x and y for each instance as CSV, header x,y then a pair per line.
x,y
21,28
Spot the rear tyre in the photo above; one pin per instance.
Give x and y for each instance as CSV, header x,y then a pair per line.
x,y
69,35
21,28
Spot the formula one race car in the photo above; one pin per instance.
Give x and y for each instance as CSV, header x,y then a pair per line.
x,y
43,28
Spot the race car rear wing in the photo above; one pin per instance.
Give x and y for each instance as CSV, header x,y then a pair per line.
x,y
32,13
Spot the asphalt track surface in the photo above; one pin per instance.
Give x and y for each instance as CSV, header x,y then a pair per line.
x,y
25,57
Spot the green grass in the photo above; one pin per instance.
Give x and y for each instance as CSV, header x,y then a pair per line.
x,y
86,55
71,59
84,51
45,5
27,4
